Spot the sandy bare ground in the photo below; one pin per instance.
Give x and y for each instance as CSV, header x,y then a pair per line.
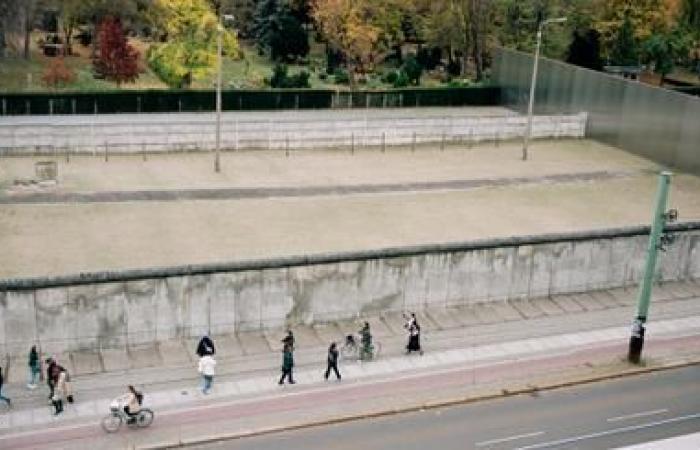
x,y
63,238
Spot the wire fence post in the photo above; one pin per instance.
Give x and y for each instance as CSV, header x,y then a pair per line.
x,y
470,141
495,137
106,152
352,143
383,141
286,145
442,142
413,142
143,150
67,150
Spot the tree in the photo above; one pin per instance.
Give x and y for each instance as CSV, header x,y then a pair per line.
x,y
57,74
277,30
625,49
584,50
663,49
117,60
187,50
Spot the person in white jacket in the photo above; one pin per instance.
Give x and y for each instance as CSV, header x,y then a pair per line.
x,y
207,364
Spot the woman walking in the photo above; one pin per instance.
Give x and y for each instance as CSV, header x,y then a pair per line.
x,y
34,368
59,392
207,363
413,334
287,364
332,361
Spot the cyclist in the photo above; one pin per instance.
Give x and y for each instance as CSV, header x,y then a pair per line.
x,y
132,401
366,341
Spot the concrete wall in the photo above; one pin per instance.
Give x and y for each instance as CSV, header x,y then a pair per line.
x,y
85,134
134,308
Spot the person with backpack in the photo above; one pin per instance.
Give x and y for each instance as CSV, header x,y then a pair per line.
x,y
332,361
34,368
207,364
2,397
205,346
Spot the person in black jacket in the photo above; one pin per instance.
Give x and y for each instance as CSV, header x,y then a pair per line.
x,y
205,346
332,361
2,397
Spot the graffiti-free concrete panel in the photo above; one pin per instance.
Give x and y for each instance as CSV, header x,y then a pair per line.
x,y
499,278
18,315
276,302
460,279
437,273
380,286
541,269
331,291
694,257
196,305
169,307
521,272
248,298
141,311
110,304
222,304
567,262
415,284
4,340
598,276
635,256
51,323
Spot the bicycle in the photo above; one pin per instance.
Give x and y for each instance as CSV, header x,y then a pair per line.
x,y
117,416
352,349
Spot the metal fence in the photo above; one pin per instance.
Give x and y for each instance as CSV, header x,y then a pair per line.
x,y
151,101
656,123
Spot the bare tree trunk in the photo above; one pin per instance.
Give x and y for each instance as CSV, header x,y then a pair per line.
x,y
28,7
476,12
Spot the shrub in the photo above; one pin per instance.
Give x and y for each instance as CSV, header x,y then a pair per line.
x,y
413,69
57,74
341,76
281,79
401,79
390,77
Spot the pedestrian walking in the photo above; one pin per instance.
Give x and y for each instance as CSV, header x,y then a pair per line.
x,y
52,370
287,364
59,392
413,334
205,346
2,397
207,365
367,349
34,368
289,339
332,361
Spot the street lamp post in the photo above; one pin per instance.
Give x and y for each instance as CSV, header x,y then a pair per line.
x,y
533,82
219,45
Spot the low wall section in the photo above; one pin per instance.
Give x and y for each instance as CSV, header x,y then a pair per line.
x,y
82,134
117,309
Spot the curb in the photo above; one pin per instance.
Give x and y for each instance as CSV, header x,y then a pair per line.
x,y
426,406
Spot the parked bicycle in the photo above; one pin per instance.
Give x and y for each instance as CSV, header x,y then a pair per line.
x,y
352,349
117,416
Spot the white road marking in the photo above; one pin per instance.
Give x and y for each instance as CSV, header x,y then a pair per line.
x,y
506,439
639,414
609,432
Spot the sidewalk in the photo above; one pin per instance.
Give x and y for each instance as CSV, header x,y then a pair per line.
x,y
480,336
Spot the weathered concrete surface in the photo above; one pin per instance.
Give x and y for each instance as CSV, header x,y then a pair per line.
x,y
274,130
136,315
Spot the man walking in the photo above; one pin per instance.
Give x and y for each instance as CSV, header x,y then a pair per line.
x,y
287,364
34,368
2,397
207,365
332,361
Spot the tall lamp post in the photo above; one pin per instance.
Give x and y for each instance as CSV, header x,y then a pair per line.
x,y
528,130
219,45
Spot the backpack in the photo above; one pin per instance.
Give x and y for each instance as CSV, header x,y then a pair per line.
x,y
139,398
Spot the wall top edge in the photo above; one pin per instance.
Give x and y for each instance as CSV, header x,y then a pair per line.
x,y
99,277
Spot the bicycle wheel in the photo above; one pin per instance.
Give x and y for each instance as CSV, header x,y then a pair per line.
x,y
145,418
111,423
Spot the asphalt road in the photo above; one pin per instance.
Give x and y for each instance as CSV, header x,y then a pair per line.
x,y
597,416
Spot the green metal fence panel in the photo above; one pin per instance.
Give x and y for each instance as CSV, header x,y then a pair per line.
x,y
152,101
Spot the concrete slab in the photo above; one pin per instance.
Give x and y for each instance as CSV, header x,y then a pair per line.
x,y
143,357
624,297
605,298
378,327
681,290
588,302
228,347
253,342
692,288
662,293
486,314
86,362
547,306
527,309
444,318
115,360
506,311
567,303
173,353
466,316
16,370
306,337
426,322
329,332
395,321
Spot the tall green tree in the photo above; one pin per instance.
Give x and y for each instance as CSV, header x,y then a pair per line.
x,y
625,48
278,30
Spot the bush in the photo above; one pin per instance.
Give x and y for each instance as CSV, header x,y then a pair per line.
x,y
57,74
281,79
401,79
413,69
453,67
341,76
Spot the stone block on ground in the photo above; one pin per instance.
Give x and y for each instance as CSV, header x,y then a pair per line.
x,y
547,306
86,363
486,313
115,360
254,342
174,353
143,357
567,303
588,302
527,309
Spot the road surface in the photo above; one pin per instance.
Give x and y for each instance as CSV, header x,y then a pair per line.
x,y
597,416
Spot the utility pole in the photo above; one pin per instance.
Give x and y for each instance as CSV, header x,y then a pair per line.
x,y
219,32
656,240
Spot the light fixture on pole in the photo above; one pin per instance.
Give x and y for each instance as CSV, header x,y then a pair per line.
x,y
533,82
219,45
